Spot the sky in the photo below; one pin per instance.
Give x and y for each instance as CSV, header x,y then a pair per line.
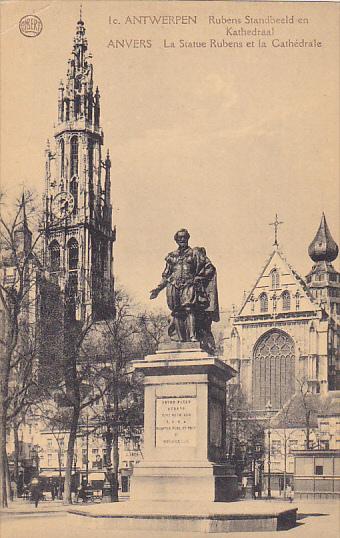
x,y
216,140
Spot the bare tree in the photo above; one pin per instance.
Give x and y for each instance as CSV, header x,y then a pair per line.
x,y
298,414
18,265
130,335
244,432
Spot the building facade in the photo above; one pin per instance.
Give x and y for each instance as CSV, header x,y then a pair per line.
x,y
288,329
285,346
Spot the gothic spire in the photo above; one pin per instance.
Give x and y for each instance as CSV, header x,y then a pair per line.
x,y
76,99
323,247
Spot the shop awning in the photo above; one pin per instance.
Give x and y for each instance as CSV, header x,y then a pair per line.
x,y
96,476
51,474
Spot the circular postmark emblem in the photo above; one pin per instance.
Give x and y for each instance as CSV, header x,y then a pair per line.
x,y
30,26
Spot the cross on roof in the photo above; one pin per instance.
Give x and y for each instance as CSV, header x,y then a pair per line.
x,y
276,224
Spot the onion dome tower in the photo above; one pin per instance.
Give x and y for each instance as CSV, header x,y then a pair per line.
x,y
324,284
323,280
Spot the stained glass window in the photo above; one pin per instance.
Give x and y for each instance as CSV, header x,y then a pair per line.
x,y
273,369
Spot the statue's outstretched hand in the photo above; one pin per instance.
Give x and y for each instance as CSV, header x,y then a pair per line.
x,y
154,294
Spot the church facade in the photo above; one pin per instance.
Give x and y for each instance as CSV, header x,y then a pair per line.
x,y
287,332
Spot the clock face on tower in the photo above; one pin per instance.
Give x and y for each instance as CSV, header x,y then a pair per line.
x,y
62,204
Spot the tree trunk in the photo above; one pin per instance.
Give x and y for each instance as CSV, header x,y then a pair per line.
x,y
115,457
11,339
59,470
285,470
73,394
16,452
115,447
308,430
3,456
70,452
8,480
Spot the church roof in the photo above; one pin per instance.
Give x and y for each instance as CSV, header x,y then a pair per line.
x,y
290,281
323,247
294,412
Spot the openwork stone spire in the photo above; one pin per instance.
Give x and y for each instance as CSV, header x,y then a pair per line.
x,y
78,100
323,247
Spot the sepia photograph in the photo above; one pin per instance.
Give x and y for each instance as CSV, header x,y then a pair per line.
x,y
169,269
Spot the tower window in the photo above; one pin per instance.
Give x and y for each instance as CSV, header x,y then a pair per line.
x,y
74,192
67,102
73,254
286,300
55,256
74,156
90,152
71,295
76,105
263,302
62,158
275,279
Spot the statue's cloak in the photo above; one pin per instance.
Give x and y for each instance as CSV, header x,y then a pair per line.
x,y
212,293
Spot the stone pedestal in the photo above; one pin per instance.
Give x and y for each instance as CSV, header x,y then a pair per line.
x,y
184,427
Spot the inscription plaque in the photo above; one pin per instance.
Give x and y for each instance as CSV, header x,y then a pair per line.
x,y
176,422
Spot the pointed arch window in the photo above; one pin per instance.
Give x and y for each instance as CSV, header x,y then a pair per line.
x,y
74,156
62,158
73,254
54,256
263,302
74,192
275,279
286,300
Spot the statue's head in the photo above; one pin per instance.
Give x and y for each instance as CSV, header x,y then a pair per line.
x,y
182,237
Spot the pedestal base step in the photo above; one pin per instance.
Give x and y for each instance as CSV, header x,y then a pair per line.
x,y
242,516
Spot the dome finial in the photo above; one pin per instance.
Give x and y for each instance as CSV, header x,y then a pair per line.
x,y
323,247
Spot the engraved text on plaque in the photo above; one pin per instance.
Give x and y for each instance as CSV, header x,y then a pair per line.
x,y
176,422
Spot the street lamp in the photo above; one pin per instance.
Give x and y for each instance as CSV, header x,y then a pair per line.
x,y
268,410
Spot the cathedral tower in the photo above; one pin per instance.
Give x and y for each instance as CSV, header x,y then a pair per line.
x,y
78,213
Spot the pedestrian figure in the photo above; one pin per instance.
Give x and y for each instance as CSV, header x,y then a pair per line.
x,y
35,491
289,493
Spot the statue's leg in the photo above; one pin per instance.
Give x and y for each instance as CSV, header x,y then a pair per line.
x,y
191,325
180,326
